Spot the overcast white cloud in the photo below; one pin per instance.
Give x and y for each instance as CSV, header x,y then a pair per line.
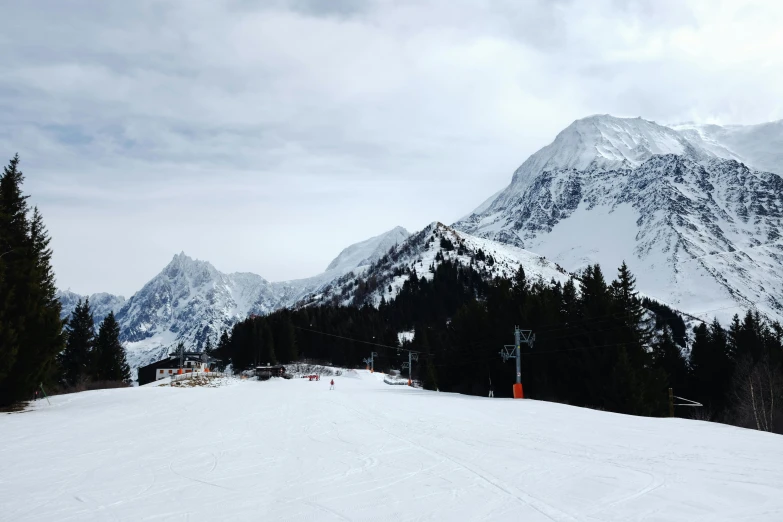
x,y
266,136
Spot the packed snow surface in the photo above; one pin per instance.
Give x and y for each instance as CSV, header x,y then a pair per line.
x,y
294,450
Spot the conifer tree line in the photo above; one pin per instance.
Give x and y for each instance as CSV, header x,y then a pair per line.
x,y
598,344
32,338
89,357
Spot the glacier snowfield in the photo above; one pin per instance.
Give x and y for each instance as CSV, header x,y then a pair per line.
x,y
294,450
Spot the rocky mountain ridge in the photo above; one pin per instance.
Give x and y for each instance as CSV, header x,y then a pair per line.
x,y
700,228
190,300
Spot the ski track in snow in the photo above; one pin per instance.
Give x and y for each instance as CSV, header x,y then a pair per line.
x,y
293,450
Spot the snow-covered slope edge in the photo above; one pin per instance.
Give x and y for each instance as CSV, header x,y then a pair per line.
x,y
368,251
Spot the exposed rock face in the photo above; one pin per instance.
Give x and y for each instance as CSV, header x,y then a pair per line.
x,y
700,228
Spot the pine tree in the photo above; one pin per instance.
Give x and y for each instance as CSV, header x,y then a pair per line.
x,y
625,396
733,340
76,361
569,307
668,357
9,322
9,346
223,352
774,344
44,339
213,354
429,379
179,352
624,290
268,341
30,326
630,306
256,329
722,367
13,244
111,363
595,295
749,341
287,350
701,357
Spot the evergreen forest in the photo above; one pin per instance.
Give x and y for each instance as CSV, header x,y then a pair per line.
x,y
38,350
597,344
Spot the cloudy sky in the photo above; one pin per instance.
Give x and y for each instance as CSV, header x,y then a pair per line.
x,y
265,136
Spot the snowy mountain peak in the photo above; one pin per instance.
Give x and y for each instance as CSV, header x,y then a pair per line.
x,y
607,142
100,304
699,227
368,251
190,300
421,253
182,259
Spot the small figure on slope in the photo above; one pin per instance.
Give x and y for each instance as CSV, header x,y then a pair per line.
x,y
331,385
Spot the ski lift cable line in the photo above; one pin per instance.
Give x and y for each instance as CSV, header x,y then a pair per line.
x,y
493,358
583,333
618,315
691,403
582,348
565,328
606,318
582,322
593,332
399,349
537,352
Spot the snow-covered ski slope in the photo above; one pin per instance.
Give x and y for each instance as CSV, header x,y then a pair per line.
x,y
293,450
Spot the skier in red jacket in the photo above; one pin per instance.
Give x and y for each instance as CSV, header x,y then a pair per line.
x,y
331,385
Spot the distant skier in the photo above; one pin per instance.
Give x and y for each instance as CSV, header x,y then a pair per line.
x,y
331,385
491,391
